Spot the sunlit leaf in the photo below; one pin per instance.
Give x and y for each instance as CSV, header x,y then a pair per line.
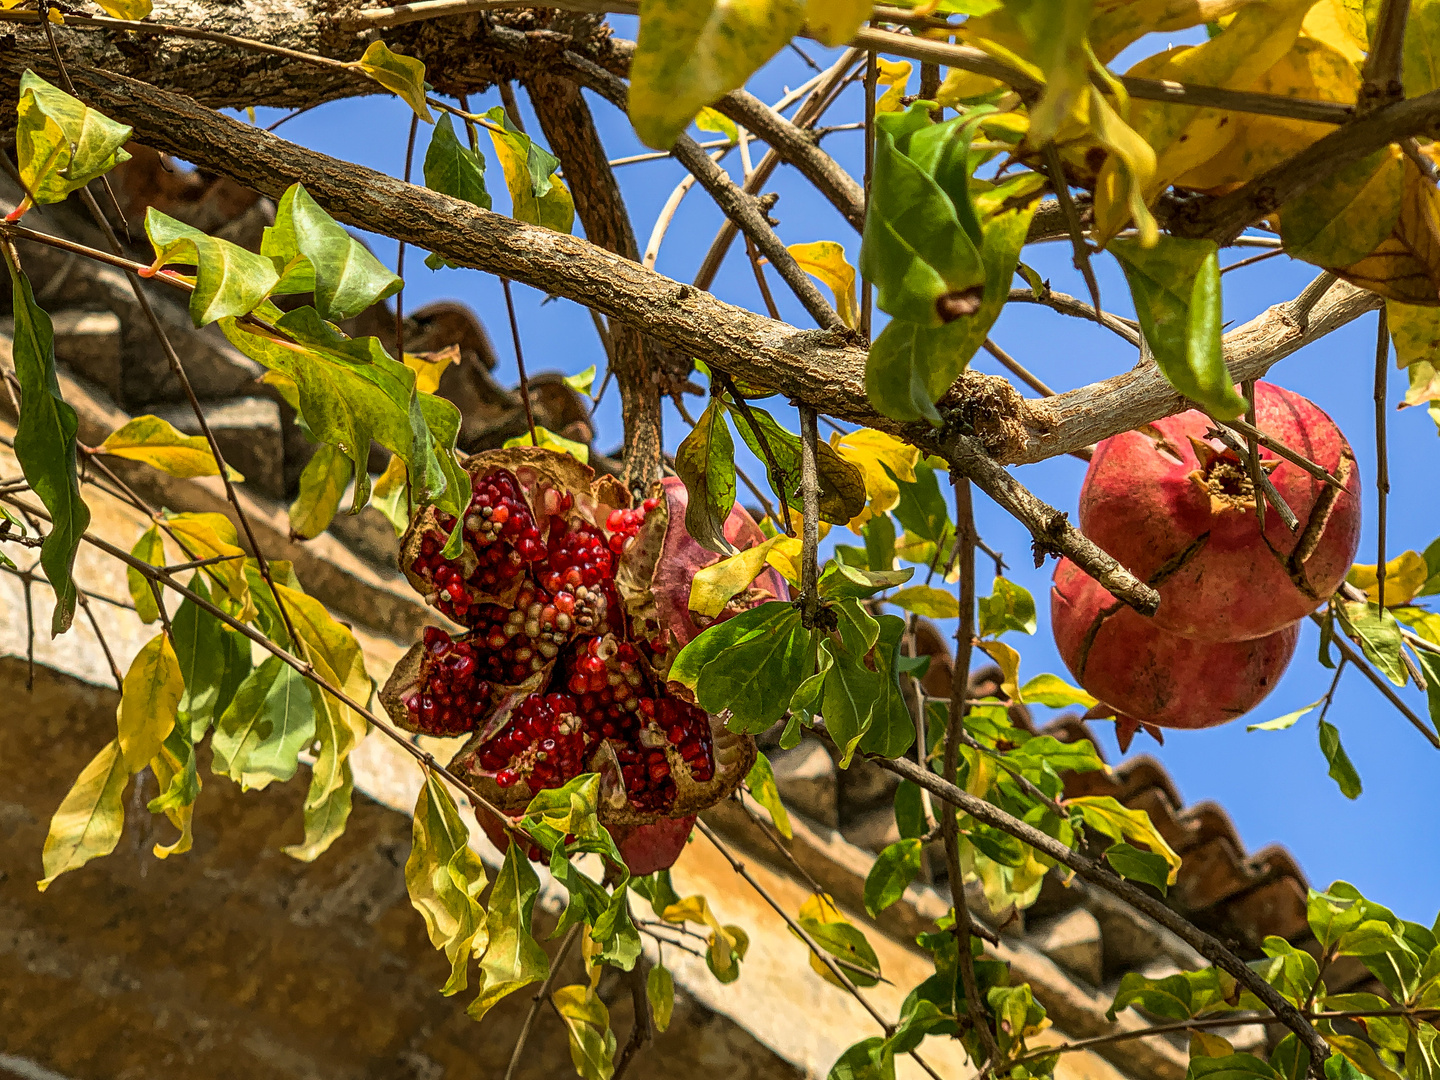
x,y
660,991
1341,770
927,600
179,780
1122,824
690,53
259,736
705,462
514,958
1344,219
834,933
537,195
61,143
322,483
834,22
134,10
45,446
548,439
1282,723
1055,692
841,483
895,868
1008,607
151,548
325,820
90,818
587,1022
403,76
708,119
444,878
825,260
213,536
883,460
1142,866
715,585
156,442
761,782
149,702
228,279
1378,635
1405,576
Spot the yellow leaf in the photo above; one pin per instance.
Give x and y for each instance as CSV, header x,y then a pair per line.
x,y
715,585
691,53
1009,661
825,260
157,443
325,820
1339,26
207,536
134,10
724,941
1405,576
537,195
1424,384
1126,175
708,119
1415,332
428,367
960,86
896,75
151,548
401,75
1343,220
388,495
149,703
322,483
928,601
1119,822
90,818
587,1023
1406,265
1119,23
883,460
835,22
550,441
166,767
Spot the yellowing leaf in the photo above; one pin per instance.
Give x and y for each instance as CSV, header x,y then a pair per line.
x,y
151,548
1405,576
207,536
389,495
1124,179
157,443
587,1022
928,601
537,195
1121,824
322,484
715,585
430,367
445,877
960,86
1406,264
708,119
896,75
725,949
514,958
90,818
883,460
691,53
61,143
834,933
1009,661
134,10
325,820
550,441
825,260
1415,332
401,75
660,990
149,703
229,279
1343,220
835,22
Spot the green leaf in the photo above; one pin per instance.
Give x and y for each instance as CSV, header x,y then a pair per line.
x,y
1362,1055
90,818
537,195
1142,866
350,393
570,810
1231,1067
156,442
445,878
1378,635
345,277
1344,219
842,485
754,667
1341,770
705,463
587,1022
822,920
1176,288
690,54
228,279
179,781
910,816
325,819
322,483
911,365
259,736
761,782
514,958
869,1059
922,509
1054,692
1009,607
1281,723
550,441
213,662
660,990
61,143
1290,1060
403,76
1122,824
714,586
863,706
1331,917
454,169
928,601
150,548
842,582
1174,997
880,543
922,238
895,868
581,382
45,446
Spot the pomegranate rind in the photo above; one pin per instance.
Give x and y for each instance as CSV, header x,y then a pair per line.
x,y
1148,504
734,756
1151,675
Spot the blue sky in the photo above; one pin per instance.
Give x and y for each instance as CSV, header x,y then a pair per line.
x,y
1273,784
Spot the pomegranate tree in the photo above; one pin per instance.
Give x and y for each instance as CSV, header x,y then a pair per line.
x,y
1178,510
1151,676
575,604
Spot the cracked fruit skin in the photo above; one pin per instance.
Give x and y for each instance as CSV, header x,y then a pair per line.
x,y
1153,676
575,605
1178,511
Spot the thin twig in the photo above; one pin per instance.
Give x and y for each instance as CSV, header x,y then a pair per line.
x,y
1081,249
100,637
759,267
1356,657
1265,490
520,361
1278,448
1382,449
1069,305
1252,463
400,253
1251,261
1017,369
872,74
540,997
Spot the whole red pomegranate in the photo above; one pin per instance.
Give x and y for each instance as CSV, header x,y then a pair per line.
x,y
1150,675
645,848
1178,511
576,604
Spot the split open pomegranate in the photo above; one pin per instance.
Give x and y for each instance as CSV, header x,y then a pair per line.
x,y
575,605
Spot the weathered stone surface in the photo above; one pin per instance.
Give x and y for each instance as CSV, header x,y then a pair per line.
x,y
90,342
249,432
1074,942
806,777
873,829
